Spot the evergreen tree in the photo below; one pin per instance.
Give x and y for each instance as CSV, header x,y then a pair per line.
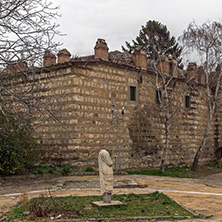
x,y
155,38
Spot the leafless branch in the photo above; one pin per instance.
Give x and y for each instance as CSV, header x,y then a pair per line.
x,y
27,29
207,41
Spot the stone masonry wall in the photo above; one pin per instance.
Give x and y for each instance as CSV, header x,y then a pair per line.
x,y
85,93
81,94
186,130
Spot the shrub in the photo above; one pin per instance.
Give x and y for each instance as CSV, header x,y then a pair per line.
x,y
38,171
66,171
51,170
18,148
89,169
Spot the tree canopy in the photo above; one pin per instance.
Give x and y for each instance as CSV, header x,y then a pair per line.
x,y
156,39
27,28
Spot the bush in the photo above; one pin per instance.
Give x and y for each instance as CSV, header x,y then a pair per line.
x,y
66,171
18,148
44,169
89,169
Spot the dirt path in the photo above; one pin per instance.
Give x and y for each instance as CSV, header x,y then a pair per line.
x,y
198,195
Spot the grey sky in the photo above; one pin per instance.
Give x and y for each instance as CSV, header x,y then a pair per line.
x,y
117,21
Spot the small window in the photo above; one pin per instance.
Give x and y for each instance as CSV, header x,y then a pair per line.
x,y
132,93
141,79
171,68
158,96
187,101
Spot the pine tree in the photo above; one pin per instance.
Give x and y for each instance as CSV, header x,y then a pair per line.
x,y
156,39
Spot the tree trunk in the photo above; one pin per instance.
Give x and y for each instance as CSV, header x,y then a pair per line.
x,y
200,149
162,165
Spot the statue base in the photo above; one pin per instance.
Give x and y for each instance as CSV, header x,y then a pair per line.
x,y
103,204
107,197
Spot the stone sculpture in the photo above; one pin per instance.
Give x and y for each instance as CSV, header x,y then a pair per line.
x,y
106,175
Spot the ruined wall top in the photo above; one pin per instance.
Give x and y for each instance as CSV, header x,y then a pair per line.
x,y
18,66
195,73
140,57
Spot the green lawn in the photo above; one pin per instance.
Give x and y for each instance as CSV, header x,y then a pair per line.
x,y
142,205
182,172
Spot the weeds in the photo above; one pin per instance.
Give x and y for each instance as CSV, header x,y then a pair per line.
x,y
148,205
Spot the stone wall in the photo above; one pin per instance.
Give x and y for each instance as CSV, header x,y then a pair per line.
x,y
147,130
81,95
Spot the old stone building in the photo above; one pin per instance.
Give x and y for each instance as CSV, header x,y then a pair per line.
x,y
82,91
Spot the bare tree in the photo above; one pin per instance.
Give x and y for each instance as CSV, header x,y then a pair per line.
x,y
206,40
164,85
26,32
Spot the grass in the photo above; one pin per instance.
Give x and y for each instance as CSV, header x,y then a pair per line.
x,y
212,165
141,205
181,172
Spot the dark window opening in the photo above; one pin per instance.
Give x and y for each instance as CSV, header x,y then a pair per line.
x,y
158,96
141,79
132,93
187,101
171,68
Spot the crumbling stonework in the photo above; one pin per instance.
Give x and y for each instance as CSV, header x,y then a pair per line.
x,y
82,92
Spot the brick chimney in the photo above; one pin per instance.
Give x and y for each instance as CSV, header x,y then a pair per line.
x,y
173,71
192,71
163,64
101,50
49,59
63,56
201,75
139,57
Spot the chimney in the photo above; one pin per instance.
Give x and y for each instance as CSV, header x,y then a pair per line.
x,y
49,59
139,57
173,71
101,50
163,64
63,56
201,75
192,71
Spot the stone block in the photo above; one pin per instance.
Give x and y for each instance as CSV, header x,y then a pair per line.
x,y
103,204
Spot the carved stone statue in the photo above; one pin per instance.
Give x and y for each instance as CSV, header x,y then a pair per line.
x,y
106,175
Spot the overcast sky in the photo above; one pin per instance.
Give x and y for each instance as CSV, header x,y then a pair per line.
x,y
117,21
